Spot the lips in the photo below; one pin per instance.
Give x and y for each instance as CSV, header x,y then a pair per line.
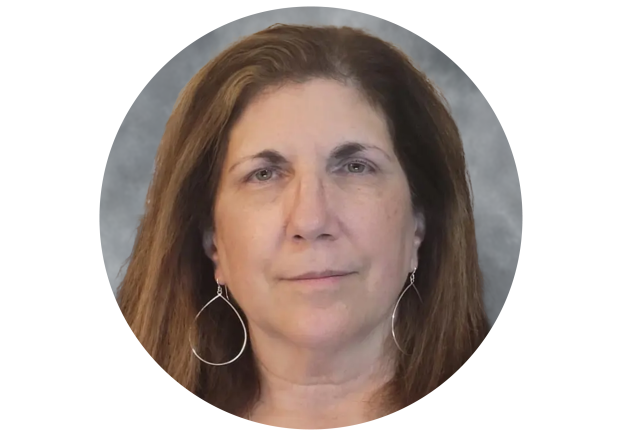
x,y
320,275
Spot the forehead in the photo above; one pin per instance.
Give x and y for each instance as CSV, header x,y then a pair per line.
x,y
319,112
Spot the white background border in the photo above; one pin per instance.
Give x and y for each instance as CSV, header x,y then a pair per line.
x,y
70,363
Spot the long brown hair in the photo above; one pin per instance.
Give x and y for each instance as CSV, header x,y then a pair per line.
x,y
170,277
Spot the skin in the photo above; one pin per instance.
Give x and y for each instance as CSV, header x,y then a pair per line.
x,y
321,345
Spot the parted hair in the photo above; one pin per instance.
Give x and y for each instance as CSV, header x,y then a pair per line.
x,y
170,276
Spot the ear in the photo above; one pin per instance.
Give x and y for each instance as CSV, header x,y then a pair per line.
x,y
418,239
211,251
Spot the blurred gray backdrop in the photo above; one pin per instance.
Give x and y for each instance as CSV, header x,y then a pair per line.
x,y
498,212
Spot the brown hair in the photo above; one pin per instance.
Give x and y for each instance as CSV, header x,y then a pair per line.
x,y
169,276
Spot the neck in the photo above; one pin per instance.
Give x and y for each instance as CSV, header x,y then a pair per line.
x,y
321,386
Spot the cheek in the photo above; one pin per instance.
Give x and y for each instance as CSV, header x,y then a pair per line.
x,y
382,220
247,238
385,231
245,241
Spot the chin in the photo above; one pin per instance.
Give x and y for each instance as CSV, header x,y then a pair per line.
x,y
319,328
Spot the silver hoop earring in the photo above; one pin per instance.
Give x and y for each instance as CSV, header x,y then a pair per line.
x,y
412,283
219,295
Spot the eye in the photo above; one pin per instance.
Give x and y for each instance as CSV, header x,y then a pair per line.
x,y
261,175
358,167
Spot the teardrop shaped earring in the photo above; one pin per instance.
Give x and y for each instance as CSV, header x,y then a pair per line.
x,y
226,299
412,283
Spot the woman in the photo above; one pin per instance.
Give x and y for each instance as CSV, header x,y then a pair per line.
x,y
307,257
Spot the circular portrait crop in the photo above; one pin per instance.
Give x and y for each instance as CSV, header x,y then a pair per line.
x,y
310,218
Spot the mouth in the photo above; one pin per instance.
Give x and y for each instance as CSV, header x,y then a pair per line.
x,y
320,276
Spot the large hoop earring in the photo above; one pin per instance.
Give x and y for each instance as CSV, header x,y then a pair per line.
x,y
219,295
412,283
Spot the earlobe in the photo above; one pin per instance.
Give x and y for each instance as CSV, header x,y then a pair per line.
x,y
208,245
418,239
420,230
414,263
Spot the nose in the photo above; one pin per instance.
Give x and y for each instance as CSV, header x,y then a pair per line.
x,y
309,213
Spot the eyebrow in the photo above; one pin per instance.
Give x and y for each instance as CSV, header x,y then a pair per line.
x,y
342,151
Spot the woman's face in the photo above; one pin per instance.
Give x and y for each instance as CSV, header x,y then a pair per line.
x,y
311,185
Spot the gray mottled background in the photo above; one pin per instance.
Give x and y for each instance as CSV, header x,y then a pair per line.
x,y
498,212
